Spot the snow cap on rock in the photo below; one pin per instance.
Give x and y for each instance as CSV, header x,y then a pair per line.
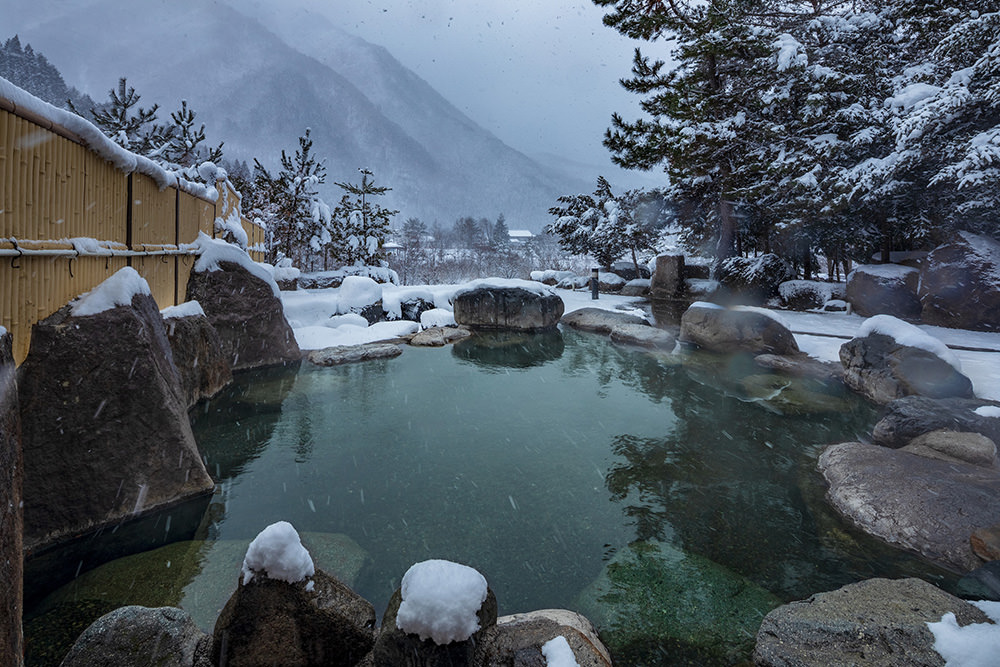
x,y
440,600
908,334
277,553
558,653
117,290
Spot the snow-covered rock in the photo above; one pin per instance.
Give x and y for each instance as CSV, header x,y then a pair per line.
x,y
100,393
519,635
889,289
517,305
599,320
960,284
873,622
718,329
277,553
438,616
889,359
808,294
242,301
637,287
201,363
752,280
551,276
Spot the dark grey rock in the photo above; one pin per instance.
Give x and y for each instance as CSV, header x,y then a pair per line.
x,y
395,648
887,289
439,336
140,636
878,622
955,446
835,306
346,354
642,335
910,416
960,284
247,315
983,583
510,308
105,426
599,320
203,367
985,542
11,515
518,640
728,330
668,277
751,280
269,622
881,369
923,505
412,309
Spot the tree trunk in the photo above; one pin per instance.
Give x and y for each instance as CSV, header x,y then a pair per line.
x,y
727,231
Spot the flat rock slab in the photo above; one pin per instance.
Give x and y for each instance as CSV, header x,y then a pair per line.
x,y
955,446
346,354
518,640
599,320
439,336
878,622
642,335
924,505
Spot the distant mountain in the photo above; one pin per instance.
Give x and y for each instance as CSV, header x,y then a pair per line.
x,y
31,71
257,88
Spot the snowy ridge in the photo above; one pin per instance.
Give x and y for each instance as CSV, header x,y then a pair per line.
x,y
186,309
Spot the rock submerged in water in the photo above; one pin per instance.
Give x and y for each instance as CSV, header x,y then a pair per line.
x,y
136,636
923,505
878,622
599,320
345,354
653,597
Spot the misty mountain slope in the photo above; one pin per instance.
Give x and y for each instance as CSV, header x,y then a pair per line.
x,y
255,91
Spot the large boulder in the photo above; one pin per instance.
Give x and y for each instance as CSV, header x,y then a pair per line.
x,y
910,416
243,305
203,367
515,307
518,640
960,284
751,280
924,505
269,622
884,289
719,329
878,622
136,636
11,516
599,320
668,277
881,367
105,425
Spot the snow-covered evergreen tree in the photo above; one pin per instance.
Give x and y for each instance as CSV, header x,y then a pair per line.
x,y
186,145
126,123
361,224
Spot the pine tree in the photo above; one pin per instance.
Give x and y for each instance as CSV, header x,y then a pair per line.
x,y
362,224
184,146
127,124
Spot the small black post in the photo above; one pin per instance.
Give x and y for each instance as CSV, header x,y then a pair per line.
x,y
593,284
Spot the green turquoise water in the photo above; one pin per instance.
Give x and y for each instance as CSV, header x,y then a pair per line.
x,y
674,500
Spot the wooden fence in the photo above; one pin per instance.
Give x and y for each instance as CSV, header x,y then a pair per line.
x,y
69,219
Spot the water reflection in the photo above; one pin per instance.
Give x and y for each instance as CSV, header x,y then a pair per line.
x,y
497,350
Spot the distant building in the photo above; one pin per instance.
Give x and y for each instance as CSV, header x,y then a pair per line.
x,y
391,247
519,235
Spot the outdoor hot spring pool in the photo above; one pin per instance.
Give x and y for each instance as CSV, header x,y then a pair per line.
x,y
672,499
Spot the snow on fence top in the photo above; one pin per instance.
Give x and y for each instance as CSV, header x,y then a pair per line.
x,y
21,101
117,290
905,333
277,553
440,600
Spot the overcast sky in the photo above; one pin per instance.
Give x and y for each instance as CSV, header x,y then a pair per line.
x,y
540,74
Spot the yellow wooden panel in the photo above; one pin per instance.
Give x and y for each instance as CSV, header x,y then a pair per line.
x,y
152,211
196,215
158,270
105,200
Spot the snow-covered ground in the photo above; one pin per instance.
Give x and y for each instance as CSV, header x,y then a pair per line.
x,y
322,318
